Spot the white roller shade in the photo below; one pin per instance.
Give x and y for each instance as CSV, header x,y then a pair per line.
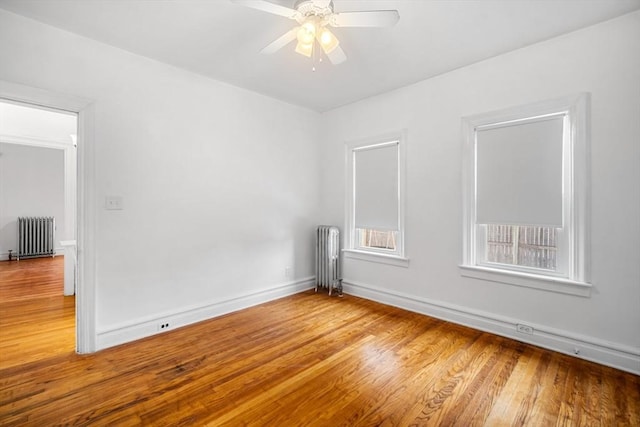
x,y
519,173
376,187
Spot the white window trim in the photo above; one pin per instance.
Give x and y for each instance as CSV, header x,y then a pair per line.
x,y
575,280
351,250
380,258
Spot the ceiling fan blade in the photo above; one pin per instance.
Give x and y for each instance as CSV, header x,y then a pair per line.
x,y
281,42
269,7
372,18
337,56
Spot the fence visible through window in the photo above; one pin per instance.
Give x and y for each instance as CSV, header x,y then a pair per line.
x,y
527,246
369,238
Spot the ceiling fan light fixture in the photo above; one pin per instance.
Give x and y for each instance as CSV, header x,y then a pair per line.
x,y
313,16
304,49
327,40
307,33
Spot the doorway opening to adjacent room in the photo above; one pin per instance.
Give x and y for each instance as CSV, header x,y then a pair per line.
x,y
78,211
38,176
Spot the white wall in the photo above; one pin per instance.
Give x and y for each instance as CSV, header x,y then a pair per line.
x,y
603,60
219,184
31,184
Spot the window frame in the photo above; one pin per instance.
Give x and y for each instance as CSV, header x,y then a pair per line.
x,y
352,249
573,244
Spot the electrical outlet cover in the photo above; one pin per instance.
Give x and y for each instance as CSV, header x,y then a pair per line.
x,y
113,203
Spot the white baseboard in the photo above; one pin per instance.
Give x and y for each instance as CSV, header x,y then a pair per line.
x,y
4,256
593,349
145,327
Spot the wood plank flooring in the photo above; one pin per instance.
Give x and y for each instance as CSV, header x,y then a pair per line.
x,y
36,321
308,359
31,278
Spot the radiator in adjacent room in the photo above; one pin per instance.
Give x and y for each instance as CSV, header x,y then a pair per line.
x,y
36,236
328,258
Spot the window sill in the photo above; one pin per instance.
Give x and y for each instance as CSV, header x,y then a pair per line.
x,y
376,257
547,283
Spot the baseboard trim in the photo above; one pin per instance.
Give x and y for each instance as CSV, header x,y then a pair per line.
x,y
145,327
593,349
4,256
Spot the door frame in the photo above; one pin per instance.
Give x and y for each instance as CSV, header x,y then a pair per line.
x,y
85,200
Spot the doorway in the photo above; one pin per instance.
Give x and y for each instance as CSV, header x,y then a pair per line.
x,y
83,198
37,184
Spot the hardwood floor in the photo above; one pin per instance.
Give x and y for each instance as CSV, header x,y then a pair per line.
x,y
308,359
36,321
31,279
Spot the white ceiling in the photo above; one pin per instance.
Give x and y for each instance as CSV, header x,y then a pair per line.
x,y
222,40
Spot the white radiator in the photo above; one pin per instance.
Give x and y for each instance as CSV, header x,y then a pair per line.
x,y
328,258
36,236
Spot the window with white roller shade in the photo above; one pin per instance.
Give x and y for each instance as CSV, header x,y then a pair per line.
x,y
375,199
525,195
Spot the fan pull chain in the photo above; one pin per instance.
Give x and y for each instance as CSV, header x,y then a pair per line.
x,y
316,55
313,56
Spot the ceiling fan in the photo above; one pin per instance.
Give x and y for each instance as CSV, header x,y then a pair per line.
x,y
313,18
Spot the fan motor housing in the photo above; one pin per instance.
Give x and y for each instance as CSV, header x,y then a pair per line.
x,y
308,7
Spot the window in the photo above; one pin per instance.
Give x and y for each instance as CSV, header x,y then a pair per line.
x,y
525,196
375,199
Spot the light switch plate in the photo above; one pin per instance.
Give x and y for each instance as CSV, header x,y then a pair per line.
x,y
113,203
